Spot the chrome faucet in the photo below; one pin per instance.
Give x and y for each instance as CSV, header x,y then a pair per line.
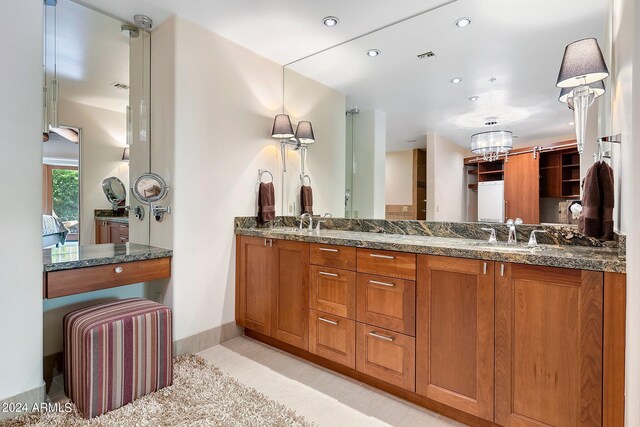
x,y
492,238
301,219
320,221
513,239
533,242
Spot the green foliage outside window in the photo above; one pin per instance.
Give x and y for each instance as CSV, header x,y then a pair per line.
x,y
65,193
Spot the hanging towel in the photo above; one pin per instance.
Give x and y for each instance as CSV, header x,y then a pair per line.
x,y
596,219
607,196
266,203
306,199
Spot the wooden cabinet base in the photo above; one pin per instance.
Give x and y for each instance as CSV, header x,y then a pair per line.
x,y
377,383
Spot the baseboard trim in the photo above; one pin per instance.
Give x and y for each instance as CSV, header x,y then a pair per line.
x,y
28,398
207,339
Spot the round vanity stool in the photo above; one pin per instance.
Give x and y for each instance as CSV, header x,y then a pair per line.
x,y
116,352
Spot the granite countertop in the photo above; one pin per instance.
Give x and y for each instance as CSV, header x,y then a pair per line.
x,y
566,256
118,219
70,257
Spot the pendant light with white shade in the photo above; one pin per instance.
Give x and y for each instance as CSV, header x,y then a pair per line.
x,y
582,66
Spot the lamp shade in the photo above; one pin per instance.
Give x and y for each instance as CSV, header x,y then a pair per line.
x,y
582,64
495,141
282,127
597,88
304,133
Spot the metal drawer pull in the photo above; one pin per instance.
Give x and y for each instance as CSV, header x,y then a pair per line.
x,y
118,270
328,321
328,250
484,268
324,273
375,282
382,256
502,270
382,337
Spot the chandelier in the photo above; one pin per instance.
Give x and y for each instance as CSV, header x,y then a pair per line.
x,y
492,144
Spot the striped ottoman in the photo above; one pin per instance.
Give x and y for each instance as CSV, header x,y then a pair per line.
x,y
115,353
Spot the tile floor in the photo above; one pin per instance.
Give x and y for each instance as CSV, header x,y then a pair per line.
x,y
321,396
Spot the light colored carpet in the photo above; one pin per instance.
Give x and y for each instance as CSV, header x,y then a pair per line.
x,y
202,395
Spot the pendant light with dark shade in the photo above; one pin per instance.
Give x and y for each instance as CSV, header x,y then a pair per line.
x,y
582,66
282,128
304,133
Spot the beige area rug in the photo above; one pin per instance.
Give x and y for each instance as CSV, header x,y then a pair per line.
x,y
202,395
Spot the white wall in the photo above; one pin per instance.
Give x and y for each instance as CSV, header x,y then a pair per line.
x,y
21,254
399,177
103,139
213,104
446,180
306,99
369,152
624,118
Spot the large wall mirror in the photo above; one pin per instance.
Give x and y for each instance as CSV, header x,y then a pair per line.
x,y
95,127
416,91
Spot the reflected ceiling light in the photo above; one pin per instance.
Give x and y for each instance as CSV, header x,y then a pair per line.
x,y
463,22
474,98
492,143
571,123
582,65
373,52
330,21
456,80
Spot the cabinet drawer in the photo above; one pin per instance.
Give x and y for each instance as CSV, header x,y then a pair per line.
x,y
332,337
387,263
333,291
386,355
387,303
343,257
87,279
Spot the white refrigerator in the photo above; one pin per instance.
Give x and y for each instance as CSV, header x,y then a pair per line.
x,y
491,201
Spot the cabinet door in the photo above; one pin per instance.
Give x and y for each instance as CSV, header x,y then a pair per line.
x,y
548,346
254,278
522,188
289,322
454,333
102,232
114,232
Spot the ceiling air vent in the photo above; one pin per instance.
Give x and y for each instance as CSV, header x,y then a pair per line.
x,y
426,55
120,85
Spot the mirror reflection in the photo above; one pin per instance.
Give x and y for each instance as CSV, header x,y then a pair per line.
x,y
413,112
95,119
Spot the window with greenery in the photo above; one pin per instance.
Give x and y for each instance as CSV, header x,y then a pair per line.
x,y
65,188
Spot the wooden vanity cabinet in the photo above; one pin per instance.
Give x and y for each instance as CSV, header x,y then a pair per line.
x,y
454,333
549,329
273,292
111,232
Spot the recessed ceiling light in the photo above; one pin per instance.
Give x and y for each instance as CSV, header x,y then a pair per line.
x,y
330,21
474,98
456,80
571,123
373,52
463,22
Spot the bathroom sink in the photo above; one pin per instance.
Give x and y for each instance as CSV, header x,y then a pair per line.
x,y
503,247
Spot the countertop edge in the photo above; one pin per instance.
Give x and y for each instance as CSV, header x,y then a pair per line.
x,y
546,260
72,265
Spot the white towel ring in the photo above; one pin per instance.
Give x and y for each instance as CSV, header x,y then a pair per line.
x,y
302,177
262,172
